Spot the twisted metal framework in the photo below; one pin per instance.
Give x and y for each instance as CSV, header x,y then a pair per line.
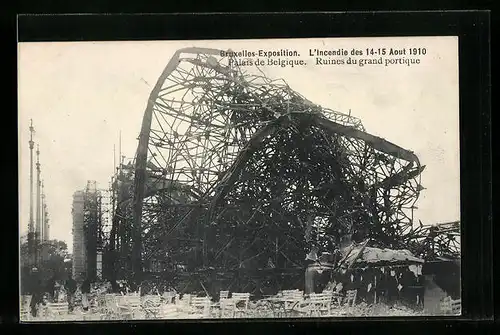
x,y
436,241
237,177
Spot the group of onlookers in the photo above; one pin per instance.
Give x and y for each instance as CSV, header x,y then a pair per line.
x,y
56,291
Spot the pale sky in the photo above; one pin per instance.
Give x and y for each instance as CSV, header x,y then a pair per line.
x,y
80,95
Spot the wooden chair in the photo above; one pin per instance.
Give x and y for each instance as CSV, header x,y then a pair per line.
x,y
320,304
456,306
57,309
450,306
128,305
296,294
350,298
216,309
110,308
168,311
186,299
201,304
151,305
133,301
293,301
239,298
25,313
445,305
227,308
237,304
151,298
168,297
101,302
336,297
224,295
95,303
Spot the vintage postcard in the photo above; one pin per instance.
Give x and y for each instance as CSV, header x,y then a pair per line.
x,y
280,178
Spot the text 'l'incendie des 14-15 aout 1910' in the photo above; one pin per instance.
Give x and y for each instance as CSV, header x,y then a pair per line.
x,y
342,56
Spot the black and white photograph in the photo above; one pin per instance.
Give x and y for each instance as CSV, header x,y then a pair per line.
x,y
239,179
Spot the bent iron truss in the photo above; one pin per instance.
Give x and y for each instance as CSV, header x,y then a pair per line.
x,y
237,177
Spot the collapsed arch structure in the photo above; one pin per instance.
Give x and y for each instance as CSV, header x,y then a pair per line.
x,y
236,177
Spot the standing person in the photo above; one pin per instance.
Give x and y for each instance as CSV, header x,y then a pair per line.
x,y
51,287
310,271
392,287
85,288
36,291
57,289
62,294
114,286
70,287
133,287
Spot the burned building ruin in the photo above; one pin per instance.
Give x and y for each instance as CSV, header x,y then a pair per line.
x,y
237,177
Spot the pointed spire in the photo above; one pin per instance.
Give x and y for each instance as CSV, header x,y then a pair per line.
x,y
31,224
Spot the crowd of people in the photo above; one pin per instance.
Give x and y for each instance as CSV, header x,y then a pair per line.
x,y
79,293
53,290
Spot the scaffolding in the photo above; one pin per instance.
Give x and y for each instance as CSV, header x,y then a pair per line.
x,y
79,249
91,226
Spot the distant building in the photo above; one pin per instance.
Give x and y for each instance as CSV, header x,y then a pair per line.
x,y
79,249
